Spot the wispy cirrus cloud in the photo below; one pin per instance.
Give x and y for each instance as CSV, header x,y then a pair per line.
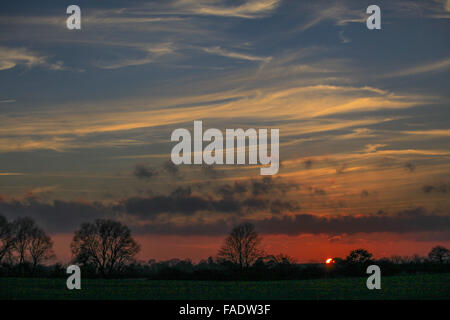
x,y
7,101
315,102
437,66
250,9
150,54
11,174
339,13
12,57
235,55
428,133
433,9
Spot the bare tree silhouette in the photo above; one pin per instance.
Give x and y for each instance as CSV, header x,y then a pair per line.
x,y
242,247
280,259
6,238
106,244
23,229
40,248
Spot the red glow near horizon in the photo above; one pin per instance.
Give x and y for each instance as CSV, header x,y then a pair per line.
x,y
306,248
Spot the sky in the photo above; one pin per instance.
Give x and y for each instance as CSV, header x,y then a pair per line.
x,y
86,118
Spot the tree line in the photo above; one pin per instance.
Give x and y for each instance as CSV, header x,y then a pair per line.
x,y
105,248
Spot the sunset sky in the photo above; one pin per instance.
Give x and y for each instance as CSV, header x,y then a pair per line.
x,y
364,117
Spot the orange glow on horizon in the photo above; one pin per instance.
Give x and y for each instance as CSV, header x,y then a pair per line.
x,y
329,260
304,248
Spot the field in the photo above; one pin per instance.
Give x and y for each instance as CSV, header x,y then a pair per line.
x,y
426,286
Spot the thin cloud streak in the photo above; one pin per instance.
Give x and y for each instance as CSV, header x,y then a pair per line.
x,y
235,55
250,9
438,66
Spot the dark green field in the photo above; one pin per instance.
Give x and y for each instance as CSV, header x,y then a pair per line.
x,y
427,286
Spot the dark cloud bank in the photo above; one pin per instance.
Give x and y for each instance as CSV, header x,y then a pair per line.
x,y
61,216
228,203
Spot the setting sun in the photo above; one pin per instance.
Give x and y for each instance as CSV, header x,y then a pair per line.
x,y
329,260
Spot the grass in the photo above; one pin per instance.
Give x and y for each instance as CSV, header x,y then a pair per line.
x,y
423,286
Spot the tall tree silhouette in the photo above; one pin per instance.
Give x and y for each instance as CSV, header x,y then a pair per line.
x,y
23,229
106,244
6,238
242,247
